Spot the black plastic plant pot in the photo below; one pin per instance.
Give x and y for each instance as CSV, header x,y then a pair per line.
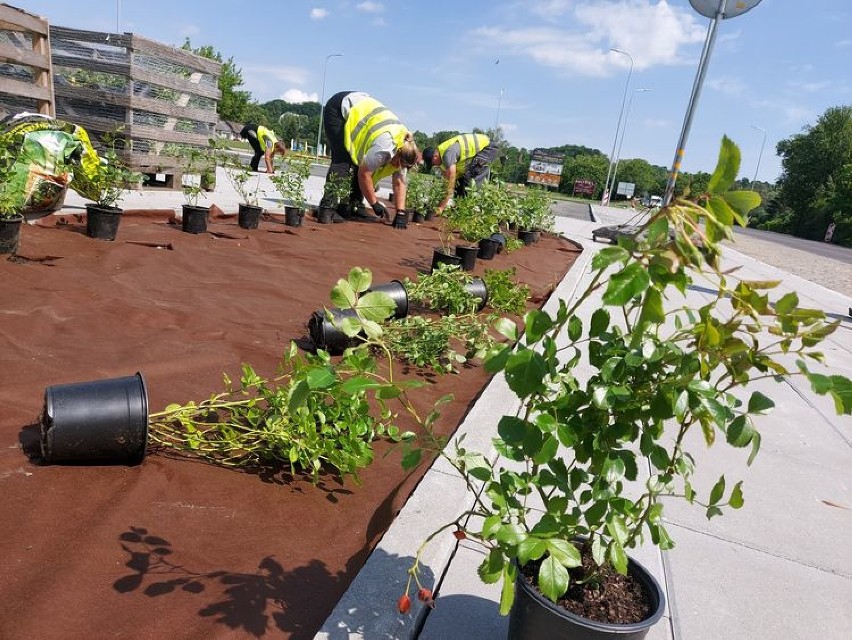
x,y
528,236
248,216
396,290
429,215
328,337
487,249
293,216
477,289
195,219
325,215
102,422
468,256
102,222
500,239
417,217
10,233
439,256
533,616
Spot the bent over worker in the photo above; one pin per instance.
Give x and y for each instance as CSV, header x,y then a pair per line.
x,y
367,143
264,144
464,159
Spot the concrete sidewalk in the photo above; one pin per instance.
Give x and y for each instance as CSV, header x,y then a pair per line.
x,y
779,568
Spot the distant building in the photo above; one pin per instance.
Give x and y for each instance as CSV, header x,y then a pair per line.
x,y
228,130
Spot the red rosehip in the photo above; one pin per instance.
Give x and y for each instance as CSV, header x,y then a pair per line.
x,y
424,595
460,534
404,604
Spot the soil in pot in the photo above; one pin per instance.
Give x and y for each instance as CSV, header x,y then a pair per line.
x,y
195,219
439,256
468,256
293,216
614,606
102,222
249,216
10,233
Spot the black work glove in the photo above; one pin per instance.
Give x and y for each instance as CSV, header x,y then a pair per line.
x,y
379,209
400,220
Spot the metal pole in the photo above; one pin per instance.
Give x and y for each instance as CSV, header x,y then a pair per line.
x,y
605,196
709,41
497,119
118,16
759,155
322,95
611,188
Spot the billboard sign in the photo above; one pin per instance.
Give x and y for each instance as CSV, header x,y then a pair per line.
x,y
545,167
584,187
626,189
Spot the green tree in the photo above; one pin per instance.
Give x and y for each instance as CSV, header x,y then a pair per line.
x,y
584,167
233,104
816,179
640,172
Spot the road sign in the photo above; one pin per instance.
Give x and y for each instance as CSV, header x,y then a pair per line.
x,y
733,8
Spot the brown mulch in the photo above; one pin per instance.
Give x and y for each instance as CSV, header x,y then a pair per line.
x,y
173,547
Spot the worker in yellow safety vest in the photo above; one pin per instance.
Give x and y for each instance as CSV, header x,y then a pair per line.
x,y
463,159
264,144
367,142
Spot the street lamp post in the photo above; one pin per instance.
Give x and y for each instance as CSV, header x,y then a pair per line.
x,y
716,10
497,119
611,187
322,95
605,196
759,155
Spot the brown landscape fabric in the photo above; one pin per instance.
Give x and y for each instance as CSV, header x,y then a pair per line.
x,y
174,547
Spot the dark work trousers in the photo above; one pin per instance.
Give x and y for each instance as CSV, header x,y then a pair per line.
x,y
249,132
341,162
477,170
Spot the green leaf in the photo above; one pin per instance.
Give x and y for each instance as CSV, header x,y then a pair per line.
x,y
507,592
727,167
564,553
575,328
742,201
546,451
598,551
360,279
740,432
721,211
755,447
759,403
496,361
624,285
608,256
531,549
372,329
342,295
491,568
717,491
411,458
536,324
511,534
298,396
507,328
599,322
320,378
376,306
511,429
350,326
553,578
736,500
786,303
525,372
618,557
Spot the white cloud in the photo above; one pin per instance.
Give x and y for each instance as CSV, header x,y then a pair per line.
x,y
318,13
727,84
265,81
653,33
370,7
189,30
298,96
656,123
843,43
551,9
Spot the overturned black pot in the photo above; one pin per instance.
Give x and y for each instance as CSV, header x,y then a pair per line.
x,y
477,289
248,216
104,421
500,239
10,233
293,216
194,219
328,337
439,256
468,256
396,290
102,221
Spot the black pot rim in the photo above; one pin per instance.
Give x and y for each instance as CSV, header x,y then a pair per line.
x,y
18,217
634,568
103,208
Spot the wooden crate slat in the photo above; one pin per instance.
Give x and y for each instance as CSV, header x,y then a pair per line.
x,y
19,55
25,89
14,19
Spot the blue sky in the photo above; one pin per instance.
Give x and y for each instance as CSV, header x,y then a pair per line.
x,y
543,69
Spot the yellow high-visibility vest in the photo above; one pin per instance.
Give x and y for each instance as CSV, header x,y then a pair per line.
x,y
367,120
264,134
470,143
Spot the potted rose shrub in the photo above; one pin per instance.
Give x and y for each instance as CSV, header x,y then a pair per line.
x,y
12,198
599,399
108,185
